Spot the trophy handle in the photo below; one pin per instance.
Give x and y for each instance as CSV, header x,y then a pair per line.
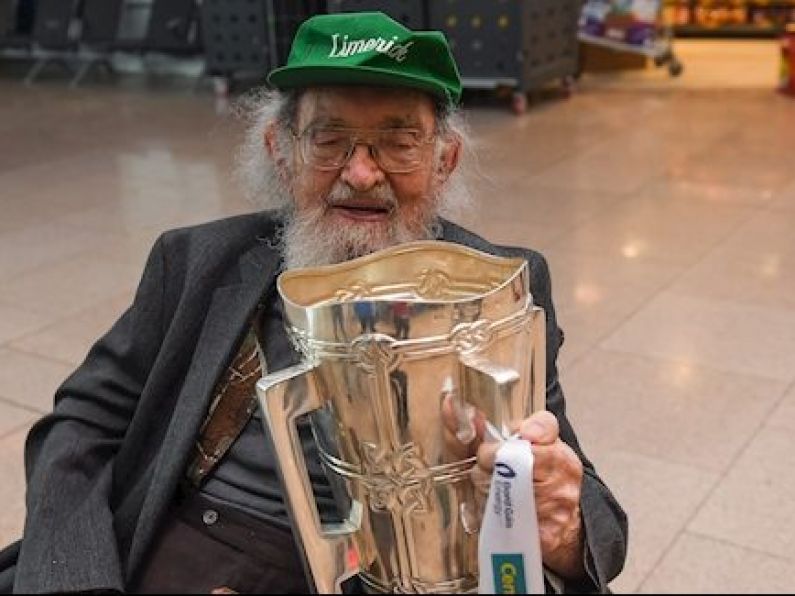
x,y
492,388
328,551
538,360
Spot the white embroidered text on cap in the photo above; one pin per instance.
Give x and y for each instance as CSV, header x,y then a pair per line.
x,y
348,48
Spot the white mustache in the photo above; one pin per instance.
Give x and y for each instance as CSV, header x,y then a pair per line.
x,y
381,197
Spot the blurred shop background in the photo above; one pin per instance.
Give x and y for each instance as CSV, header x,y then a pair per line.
x,y
646,147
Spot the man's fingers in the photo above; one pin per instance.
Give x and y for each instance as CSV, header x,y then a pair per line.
x,y
487,453
544,462
552,457
541,428
481,479
547,459
449,418
464,427
552,460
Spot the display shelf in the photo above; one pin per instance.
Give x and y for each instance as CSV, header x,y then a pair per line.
x,y
727,31
729,18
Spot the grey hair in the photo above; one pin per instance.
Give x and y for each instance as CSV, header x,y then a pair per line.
x,y
257,173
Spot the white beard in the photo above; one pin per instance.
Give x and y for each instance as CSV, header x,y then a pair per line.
x,y
312,238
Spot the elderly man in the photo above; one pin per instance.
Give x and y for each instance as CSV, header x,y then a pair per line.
x,y
152,473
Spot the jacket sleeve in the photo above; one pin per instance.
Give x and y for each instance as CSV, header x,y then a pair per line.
x,y
604,521
69,542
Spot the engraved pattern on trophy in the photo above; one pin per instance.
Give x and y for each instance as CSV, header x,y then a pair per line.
x,y
413,586
515,322
473,337
433,284
463,337
375,352
396,479
356,290
417,586
395,476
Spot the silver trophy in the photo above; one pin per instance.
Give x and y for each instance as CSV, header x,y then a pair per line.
x,y
410,355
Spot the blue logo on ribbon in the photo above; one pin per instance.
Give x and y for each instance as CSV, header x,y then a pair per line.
x,y
504,470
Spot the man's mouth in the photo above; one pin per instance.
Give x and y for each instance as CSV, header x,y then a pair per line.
x,y
362,210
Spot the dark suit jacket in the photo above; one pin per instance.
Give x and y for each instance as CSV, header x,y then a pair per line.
x,y
103,466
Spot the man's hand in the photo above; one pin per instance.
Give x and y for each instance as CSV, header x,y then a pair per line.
x,y
557,479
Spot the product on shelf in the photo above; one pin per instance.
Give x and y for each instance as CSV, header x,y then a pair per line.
x,y
625,21
732,17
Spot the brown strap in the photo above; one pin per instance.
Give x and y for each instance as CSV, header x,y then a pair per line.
x,y
233,403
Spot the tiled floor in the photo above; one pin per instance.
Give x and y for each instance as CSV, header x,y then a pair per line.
x,y
666,209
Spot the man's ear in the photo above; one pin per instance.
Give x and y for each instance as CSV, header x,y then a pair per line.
x,y
451,155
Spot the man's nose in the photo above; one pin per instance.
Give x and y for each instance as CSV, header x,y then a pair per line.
x,y
362,172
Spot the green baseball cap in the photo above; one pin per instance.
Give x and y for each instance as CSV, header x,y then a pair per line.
x,y
369,48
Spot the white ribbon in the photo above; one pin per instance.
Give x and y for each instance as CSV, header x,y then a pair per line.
x,y
509,552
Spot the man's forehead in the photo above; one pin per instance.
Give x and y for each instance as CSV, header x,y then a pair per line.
x,y
366,106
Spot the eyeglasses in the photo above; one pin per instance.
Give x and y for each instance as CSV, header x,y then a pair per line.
x,y
395,150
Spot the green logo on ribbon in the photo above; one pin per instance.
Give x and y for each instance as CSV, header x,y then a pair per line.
x,y
508,572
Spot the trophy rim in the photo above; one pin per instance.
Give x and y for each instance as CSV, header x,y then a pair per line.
x,y
517,264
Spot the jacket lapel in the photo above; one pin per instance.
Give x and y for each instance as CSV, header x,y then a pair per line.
x,y
230,310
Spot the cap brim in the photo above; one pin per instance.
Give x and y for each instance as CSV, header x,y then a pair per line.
x,y
288,77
